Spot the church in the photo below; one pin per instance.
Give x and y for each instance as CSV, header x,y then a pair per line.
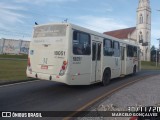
x,y
141,33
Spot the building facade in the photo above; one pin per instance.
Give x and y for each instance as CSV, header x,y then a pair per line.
x,y
10,46
141,33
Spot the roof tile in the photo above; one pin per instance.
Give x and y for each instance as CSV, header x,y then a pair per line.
x,y
121,34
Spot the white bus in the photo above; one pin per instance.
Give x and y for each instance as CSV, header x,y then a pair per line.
x,y
74,55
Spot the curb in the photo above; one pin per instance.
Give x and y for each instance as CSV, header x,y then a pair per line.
x,y
16,81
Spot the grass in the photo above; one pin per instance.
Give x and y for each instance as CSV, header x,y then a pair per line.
x,y
149,65
14,56
12,70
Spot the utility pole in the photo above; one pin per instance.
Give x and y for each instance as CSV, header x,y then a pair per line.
x,y
156,57
159,52
159,42
159,48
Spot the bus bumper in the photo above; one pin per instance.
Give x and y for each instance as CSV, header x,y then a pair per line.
x,y
63,79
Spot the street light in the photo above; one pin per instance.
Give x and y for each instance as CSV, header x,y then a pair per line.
x,y
159,51
159,42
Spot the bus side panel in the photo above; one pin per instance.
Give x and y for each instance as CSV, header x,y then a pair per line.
x,y
80,70
114,64
80,67
129,66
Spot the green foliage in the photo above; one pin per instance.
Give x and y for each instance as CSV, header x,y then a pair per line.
x,y
14,56
11,70
149,65
154,54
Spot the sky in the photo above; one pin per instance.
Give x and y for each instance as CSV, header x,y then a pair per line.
x,y
17,17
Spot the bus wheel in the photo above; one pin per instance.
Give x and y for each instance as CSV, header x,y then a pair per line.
x,y
106,78
134,70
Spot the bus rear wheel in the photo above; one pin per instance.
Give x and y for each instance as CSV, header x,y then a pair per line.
x,y
106,77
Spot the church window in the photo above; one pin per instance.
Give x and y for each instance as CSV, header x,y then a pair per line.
x,y
140,19
147,18
140,36
147,37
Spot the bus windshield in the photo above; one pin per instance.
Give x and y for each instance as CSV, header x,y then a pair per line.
x,y
49,31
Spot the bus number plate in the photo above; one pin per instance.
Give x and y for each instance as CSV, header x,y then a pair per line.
x,y
44,67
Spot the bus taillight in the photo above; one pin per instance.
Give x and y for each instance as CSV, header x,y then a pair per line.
x,y
64,62
64,65
63,68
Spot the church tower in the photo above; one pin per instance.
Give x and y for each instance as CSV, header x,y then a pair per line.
x,y
144,28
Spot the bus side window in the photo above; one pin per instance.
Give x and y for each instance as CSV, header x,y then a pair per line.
x,y
93,51
135,52
99,52
75,35
116,49
75,42
81,43
122,53
107,45
130,51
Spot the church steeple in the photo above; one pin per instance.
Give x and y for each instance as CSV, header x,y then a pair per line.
x,y
144,3
144,28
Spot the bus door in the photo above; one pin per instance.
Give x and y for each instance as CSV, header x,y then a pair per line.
x,y
96,61
123,60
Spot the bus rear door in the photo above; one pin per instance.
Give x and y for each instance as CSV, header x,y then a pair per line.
x,y
123,60
96,61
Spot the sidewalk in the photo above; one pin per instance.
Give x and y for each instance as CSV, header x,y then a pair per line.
x,y
143,93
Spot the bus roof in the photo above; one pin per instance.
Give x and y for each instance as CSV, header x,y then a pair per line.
x,y
77,27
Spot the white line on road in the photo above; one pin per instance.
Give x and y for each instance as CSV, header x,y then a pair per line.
x,y
18,83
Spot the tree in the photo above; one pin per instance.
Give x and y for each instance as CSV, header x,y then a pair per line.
x,y
153,54
153,48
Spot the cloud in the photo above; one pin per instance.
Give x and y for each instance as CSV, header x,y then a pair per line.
x,y
9,13
11,7
38,2
155,33
100,24
104,7
10,17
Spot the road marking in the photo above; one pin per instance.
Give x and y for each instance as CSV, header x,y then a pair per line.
x,y
18,83
105,95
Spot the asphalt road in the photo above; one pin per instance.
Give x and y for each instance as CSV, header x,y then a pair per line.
x,y
51,96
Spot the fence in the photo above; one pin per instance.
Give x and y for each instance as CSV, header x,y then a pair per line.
x,y
9,46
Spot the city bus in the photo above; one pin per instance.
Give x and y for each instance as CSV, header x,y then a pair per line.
x,y
70,54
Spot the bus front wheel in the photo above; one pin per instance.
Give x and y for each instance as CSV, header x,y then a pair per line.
x,y
106,77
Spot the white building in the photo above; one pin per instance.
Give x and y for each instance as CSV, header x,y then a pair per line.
x,y
11,46
141,33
